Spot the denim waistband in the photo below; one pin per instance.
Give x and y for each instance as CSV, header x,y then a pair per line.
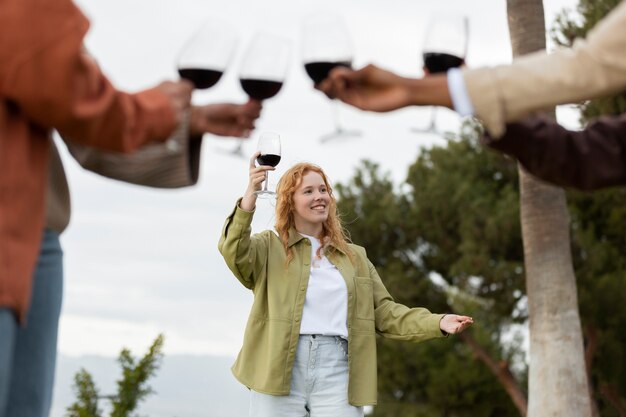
x,y
322,338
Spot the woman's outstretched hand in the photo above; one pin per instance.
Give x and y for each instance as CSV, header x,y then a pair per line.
x,y
257,176
452,323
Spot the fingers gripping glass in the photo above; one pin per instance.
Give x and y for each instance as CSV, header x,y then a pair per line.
x,y
269,148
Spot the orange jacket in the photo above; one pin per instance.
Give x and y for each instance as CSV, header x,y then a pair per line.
x,y
47,82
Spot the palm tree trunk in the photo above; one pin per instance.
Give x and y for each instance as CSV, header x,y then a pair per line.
x,y
557,383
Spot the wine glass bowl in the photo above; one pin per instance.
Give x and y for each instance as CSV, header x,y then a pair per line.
x,y
263,70
326,44
444,47
445,43
206,55
264,66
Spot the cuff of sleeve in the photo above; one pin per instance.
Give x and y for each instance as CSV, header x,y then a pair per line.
x,y
435,327
458,92
159,114
482,88
240,216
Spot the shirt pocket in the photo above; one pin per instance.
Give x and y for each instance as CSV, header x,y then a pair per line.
x,y
364,298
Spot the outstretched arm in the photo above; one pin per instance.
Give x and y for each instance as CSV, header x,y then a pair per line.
x,y
47,76
589,159
176,162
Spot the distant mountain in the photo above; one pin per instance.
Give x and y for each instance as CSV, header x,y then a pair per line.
x,y
186,386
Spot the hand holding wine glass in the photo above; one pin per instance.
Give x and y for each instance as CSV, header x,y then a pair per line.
x,y
257,175
268,155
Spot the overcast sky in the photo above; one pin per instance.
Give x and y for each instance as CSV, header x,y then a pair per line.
x,y
141,261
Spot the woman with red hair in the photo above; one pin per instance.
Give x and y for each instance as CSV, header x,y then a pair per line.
x,y
310,343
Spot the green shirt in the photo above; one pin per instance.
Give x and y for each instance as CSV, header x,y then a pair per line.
x,y
266,359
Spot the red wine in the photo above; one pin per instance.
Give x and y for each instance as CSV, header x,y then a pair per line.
x,y
436,62
200,77
318,71
260,89
268,159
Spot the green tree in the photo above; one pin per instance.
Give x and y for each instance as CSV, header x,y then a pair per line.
x,y
598,240
448,239
571,25
598,224
132,387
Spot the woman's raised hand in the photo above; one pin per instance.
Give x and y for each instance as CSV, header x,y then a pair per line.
x,y
256,178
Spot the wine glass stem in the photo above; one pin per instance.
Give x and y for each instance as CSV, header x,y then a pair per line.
x,y
433,119
336,119
267,174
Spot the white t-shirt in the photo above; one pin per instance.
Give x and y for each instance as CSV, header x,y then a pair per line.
x,y
326,303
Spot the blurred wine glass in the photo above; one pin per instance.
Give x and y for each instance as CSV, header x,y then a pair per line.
x,y
270,154
326,44
208,52
263,69
445,47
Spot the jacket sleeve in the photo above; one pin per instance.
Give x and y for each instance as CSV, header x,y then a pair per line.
x,y
591,68
47,76
589,159
171,164
397,321
245,255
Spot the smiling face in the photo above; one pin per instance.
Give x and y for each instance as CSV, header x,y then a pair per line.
x,y
311,203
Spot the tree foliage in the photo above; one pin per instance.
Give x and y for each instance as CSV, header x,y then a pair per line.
x,y
570,26
448,238
132,387
599,241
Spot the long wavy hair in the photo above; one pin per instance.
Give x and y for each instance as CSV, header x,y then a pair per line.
x,y
332,229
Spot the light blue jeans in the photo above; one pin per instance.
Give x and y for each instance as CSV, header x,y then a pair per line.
x,y
319,383
28,354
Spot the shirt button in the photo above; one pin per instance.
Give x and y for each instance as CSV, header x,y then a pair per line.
x,y
292,350
297,319
306,264
302,289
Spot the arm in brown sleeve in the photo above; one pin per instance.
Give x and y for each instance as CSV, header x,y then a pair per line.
x,y
171,164
589,159
46,74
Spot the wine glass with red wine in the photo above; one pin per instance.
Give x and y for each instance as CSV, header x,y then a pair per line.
x,y
269,147
206,55
326,45
445,47
263,69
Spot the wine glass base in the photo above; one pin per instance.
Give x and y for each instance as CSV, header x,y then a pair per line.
x,y
431,130
445,134
340,134
265,194
237,152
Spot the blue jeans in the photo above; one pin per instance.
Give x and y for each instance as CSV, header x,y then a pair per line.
x,y
28,354
319,383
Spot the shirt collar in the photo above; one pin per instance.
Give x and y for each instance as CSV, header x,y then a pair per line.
x,y
295,237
